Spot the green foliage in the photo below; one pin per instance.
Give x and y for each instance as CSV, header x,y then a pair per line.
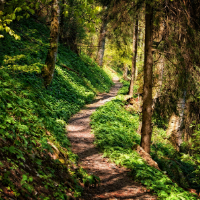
x,y
13,11
31,116
180,167
78,16
115,132
196,142
88,179
118,56
109,129
125,89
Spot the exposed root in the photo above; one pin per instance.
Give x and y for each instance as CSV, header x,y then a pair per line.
x,y
146,156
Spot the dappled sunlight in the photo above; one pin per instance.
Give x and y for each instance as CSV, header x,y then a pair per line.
x,y
114,180
33,118
99,100
115,132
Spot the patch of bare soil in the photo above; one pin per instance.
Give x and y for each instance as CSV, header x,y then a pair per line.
x,y
115,182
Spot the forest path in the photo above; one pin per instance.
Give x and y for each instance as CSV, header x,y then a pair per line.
x,y
115,182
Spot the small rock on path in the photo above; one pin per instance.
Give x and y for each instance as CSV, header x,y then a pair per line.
x,y
115,182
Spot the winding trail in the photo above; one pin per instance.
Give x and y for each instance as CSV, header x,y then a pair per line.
x,y
115,182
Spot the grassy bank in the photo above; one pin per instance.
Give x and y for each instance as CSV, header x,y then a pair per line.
x,y
35,160
115,132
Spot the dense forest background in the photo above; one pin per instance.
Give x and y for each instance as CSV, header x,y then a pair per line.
x,y
56,56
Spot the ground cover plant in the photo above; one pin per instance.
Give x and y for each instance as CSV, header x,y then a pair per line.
x,y
35,159
115,132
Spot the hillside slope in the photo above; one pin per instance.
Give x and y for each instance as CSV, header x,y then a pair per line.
x,y
35,159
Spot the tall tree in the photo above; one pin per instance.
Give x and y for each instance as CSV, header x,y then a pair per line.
x,y
2,5
125,72
147,93
102,38
179,35
77,17
62,20
113,9
48,70
72,32
135,44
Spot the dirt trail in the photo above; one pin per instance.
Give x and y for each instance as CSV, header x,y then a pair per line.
x,y
115,182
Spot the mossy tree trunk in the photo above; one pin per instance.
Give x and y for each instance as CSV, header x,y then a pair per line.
x,y
102,40
125,72
135,44
48,70
147,93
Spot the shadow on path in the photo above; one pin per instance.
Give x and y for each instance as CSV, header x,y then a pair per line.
x,y
115,182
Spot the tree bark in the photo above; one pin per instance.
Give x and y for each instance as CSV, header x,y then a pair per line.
x,y
159,64
125,73
48,70
2,5
62,22
72,38
160,71
69,26
135,44
102,41
147,93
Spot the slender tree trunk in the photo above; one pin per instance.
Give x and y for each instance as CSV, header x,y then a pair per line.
x,y
135,44
125,72
72,38
91,48
136,73
69,26
48,70
147,93
2,5
62,22
102,41
160,68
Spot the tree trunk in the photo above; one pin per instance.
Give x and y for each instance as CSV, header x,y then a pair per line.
x,y
125,73
48,70
102,41
159,64
69,26
2,5
160,71
135,43
91,49
147,93
62,22
72,38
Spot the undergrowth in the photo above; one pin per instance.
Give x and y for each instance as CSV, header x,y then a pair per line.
x,y
33,119
115,132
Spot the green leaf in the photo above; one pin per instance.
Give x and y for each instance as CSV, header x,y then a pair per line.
x,y
38,161
1,164
12,149
24,179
